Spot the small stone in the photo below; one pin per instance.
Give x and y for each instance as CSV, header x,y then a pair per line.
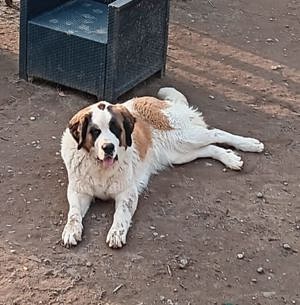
x,y
211,97
152,228
162,298
88,264
286,246
276,67
259,195
240,255
183,262
260,270
32,118
269,40
155,234
293,302
285,183
13,251
49,272
254,280
268,294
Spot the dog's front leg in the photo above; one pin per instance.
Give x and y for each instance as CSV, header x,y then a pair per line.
x,y
126,204
78,205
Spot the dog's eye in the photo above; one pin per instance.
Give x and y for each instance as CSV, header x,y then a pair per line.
x,y
115,128
95,132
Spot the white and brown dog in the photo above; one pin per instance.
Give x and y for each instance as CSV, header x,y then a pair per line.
x,y
110,151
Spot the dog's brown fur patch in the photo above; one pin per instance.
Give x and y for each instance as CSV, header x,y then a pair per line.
x,y
78,126
125,121
101,106
142,138
150,109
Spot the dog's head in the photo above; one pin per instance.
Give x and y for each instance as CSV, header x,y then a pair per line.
x,y
103,130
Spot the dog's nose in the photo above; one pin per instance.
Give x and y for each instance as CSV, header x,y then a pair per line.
x,y
108,148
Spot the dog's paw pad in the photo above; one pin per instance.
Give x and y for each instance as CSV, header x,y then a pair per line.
x,y
72,233
116,237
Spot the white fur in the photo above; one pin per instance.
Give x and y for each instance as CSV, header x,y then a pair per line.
x,y
125,180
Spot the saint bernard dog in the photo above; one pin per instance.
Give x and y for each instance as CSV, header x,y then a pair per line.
x,y
110,152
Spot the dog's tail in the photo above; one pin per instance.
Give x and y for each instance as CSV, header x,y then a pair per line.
x,y
173,95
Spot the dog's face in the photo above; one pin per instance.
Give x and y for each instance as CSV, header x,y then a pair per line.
x,y
103,130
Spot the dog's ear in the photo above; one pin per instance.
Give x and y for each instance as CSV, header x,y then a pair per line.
x,y
128,123
78,126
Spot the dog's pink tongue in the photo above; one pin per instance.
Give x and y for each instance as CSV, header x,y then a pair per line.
x,y
108,162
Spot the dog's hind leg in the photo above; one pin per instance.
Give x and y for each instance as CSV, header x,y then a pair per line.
x,y
78,205
226,156
242,143
199,137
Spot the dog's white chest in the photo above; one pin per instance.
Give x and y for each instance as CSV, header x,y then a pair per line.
x,y
103,185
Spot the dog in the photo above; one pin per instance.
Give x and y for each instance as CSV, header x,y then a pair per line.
x,y
111,150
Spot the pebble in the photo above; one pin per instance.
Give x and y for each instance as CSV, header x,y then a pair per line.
x,y
152,227
32,118
260,270
254,280
259,195
155,234
240,255
183,263
88,264
286,246
211,97
276,67
269,40
49,272
268,294
13,251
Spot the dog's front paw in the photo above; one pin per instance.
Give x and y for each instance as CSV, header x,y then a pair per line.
x,y
72,232
116,236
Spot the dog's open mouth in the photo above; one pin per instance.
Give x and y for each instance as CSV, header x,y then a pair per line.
x,y
108,161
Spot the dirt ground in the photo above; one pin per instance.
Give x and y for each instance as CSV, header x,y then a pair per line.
x,y
202,235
